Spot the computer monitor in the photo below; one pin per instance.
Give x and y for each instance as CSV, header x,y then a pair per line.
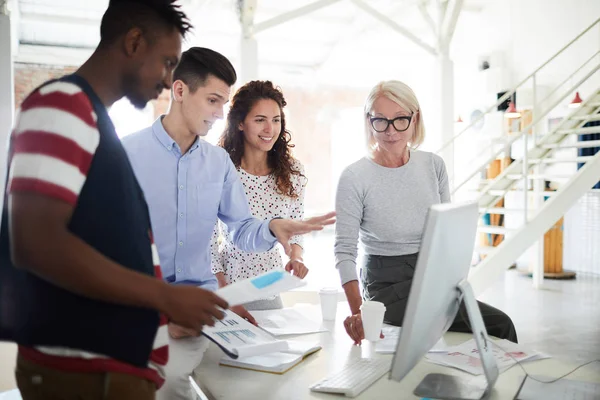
x,y
439,284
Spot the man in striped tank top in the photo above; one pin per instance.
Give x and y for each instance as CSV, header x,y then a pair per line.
x,y
78,266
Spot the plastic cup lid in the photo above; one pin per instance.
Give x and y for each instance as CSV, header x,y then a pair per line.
x,y
328,290
375,304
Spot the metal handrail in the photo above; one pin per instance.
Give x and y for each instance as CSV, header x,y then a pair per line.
x,y
513,138
514,89
519,134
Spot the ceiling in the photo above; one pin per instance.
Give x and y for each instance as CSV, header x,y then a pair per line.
x,y
318,45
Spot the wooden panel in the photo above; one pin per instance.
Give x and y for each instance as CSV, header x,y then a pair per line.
x,y
553,248
489,239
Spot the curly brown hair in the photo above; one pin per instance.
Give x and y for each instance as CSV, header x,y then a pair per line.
x,y
280,158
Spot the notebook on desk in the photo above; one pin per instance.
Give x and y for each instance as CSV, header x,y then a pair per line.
x,y
275,363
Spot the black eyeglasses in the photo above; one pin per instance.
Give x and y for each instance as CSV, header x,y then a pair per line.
x,y
399,123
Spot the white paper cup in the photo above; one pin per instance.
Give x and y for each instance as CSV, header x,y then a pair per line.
x,y
372,319
328,303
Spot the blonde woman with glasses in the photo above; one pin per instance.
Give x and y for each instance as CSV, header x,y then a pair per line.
x,y
383,199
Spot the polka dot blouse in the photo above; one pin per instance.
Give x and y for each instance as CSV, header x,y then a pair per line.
x,y
265,203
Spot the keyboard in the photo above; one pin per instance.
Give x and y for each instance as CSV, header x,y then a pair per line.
x,y
355,377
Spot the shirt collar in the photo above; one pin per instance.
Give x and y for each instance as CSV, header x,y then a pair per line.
x,y
167,141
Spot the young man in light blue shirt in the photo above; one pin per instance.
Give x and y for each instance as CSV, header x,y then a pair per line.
x,y
188,184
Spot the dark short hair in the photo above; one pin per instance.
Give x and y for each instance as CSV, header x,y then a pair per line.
x,y
151,16
199,62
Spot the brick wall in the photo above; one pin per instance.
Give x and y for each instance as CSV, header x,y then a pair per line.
x,y
30,76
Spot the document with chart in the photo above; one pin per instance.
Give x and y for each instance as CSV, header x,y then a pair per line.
x,y
263,286
239,338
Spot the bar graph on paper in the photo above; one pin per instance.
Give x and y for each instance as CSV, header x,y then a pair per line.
x,y
238,337
228,323
234,332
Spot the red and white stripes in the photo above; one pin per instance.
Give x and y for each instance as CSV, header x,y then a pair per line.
x,y
54,141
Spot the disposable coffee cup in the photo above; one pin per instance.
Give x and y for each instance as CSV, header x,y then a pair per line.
x,y
328,303
371,313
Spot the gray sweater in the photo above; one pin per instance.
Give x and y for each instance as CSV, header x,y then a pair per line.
x,y
386,207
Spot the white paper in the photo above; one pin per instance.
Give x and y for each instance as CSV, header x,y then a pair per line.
x,y
286,321
439,347
389,343
263,286
271,361
302,348
465,356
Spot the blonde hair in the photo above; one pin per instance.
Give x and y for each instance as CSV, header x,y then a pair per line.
x,y
402,95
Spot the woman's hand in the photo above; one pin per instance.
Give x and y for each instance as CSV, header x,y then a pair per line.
x,y
297,268
354,328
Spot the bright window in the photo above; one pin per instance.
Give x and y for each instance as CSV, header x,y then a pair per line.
x,y
128,119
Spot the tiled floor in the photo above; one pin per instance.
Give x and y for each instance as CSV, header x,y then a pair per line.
x,y
561,320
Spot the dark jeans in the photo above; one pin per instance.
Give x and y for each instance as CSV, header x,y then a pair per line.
x,y
388,279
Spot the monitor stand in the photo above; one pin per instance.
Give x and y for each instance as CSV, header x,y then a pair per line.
x,y
441,386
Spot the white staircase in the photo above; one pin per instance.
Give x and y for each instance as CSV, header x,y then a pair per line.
x,y
525,176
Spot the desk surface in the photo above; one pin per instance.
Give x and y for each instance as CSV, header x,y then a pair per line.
x,y
220,382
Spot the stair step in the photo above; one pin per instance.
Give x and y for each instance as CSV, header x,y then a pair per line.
x,y
495,230
484,249
576,145
518,177
580,131
581,159
595,117
501,192
499,210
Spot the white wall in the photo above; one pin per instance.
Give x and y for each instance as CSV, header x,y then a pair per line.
x,y
520,35
582,235
8,354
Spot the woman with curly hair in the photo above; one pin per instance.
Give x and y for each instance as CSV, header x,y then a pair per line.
x,y
259,145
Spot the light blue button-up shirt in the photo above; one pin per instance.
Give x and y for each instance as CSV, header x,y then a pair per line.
x,y
186,193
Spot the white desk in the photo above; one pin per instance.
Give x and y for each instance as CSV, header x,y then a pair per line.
x,y
220,382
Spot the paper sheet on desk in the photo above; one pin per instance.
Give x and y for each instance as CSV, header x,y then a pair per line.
x,y
286,321
465,356
260,287
389,343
